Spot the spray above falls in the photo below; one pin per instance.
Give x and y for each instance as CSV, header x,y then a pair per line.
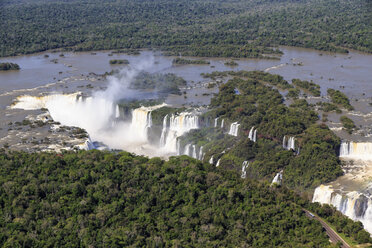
x,y
103,118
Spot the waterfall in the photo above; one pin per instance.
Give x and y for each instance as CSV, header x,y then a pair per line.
x,y
290,144
211,160
187,150
117,112
218,163
141,122
164,131
252,134
215,121
356,150
234,129
178,125
178,147
278,178
194,152
353,204
87,145
222,123
201,154
244,167
191,150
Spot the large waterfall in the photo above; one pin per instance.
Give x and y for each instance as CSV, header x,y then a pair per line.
x,y
354,150
234,128
352,193
141,122
99,117
356,205
177,125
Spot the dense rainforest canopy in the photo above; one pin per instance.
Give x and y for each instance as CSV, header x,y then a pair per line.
x,y
105,199
225,28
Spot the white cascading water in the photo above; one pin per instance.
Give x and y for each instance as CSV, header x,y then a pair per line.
x,y
187,149
252,134
222,123
117,112
201,154
289,144
244,169
194,152
356,205
211,160
178,125
278,178
234,128
178,147
97,116
88,145
216,121
163,135
141,122
218,163
356,150
351,193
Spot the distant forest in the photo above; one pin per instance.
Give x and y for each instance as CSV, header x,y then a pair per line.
x,y
217,28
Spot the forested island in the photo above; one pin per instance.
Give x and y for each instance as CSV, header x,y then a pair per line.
x,y
182,61
9,66
119,62
217,29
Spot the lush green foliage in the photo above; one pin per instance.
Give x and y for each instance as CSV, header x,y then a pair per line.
x,y
353,229
182,61
9,66
272,79
259,105
328,107
103,199
119,62
226,28
293,93
231,63
340,98
347,123
313,88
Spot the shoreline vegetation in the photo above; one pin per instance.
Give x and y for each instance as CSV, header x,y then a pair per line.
x,y
244,30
